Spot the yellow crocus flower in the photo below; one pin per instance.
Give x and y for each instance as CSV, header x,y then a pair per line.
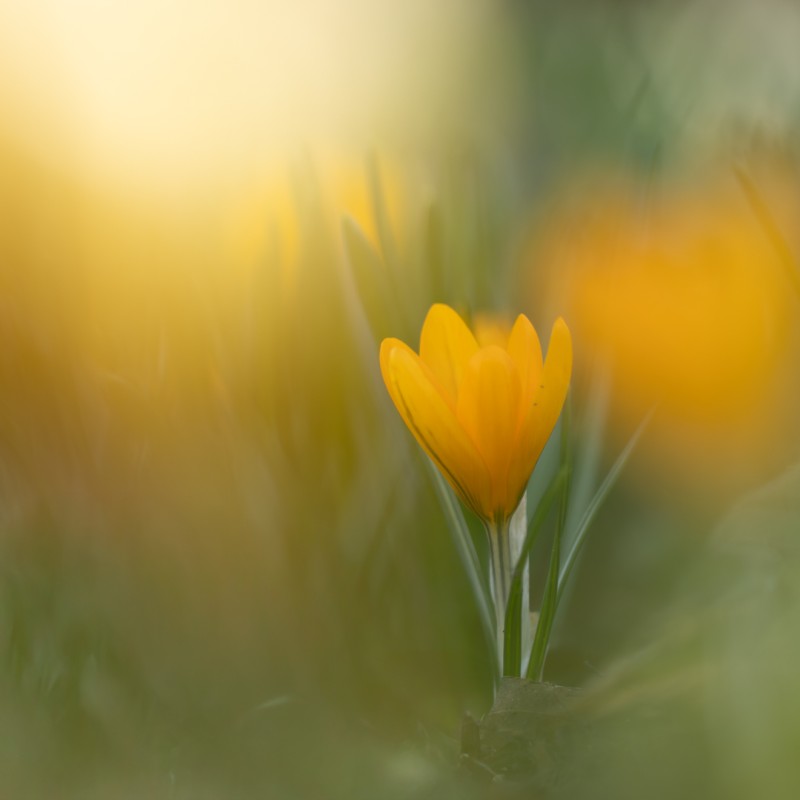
x,y
482,411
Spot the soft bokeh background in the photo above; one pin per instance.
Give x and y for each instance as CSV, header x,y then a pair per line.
x,y
224,569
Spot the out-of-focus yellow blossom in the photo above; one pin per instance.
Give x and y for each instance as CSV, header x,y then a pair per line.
x,y
685,297
482,412
263,222
490,329
688,297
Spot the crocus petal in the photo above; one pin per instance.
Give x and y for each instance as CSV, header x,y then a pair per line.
x,y
526,352
543,413
446,345
490,329
488,408
429,416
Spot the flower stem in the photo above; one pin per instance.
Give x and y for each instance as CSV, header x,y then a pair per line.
x,y
518,532
502,569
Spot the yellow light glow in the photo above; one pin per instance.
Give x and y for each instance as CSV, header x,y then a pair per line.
x,y
181,93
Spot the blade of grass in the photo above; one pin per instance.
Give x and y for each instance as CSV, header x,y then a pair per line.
x,y
550,599
767,221
381,212
512,653
590,429
597,502
369,276
587,450
434,252
469,558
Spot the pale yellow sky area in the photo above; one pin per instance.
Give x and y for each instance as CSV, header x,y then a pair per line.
x,y
187,91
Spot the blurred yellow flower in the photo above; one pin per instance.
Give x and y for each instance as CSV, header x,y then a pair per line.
x,y
686,299
266,220
484,411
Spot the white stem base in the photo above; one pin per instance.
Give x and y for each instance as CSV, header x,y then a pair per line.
x,y
518,529
506,543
